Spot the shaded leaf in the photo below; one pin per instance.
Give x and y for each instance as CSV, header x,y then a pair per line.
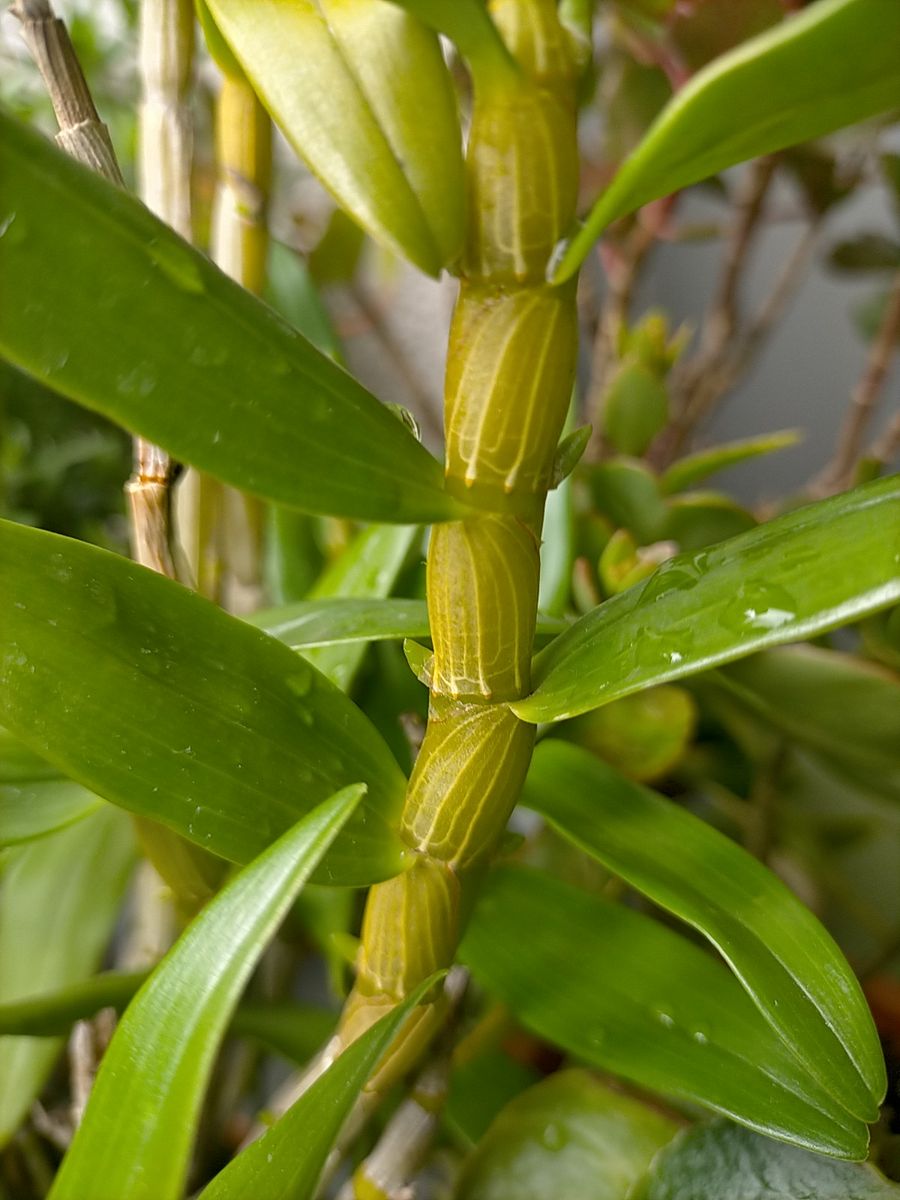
x,y
568,1136
52,936
31,810
866,252
720,1160
134,323
135,1138
700,519
286,1162
694,468
829,66
160,702
811,570
368,568
846,710
784,958
644,736
646,1004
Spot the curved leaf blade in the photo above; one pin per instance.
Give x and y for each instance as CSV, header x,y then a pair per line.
x,y
646,1004
694,468
135,1138
786,961
286,1162
341,620
158,701
844,709
133,322
33,809
832,65
367,569
811,570
570,1135
391,156
716,1160
70,922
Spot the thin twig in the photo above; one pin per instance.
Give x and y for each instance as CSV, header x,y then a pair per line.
x,y
864,401
704,382
623,275
886,448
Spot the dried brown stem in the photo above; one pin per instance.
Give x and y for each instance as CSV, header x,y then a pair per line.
x,y
864,401
84,136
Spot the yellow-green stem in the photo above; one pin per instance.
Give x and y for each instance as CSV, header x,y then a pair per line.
x,y
225,525
510,366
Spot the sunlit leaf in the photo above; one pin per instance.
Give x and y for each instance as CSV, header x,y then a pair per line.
x,y
646,1004
286,1162
718,1160
832,65
59,903
131,321
327,72
795,973
160,702
135,1138
809,571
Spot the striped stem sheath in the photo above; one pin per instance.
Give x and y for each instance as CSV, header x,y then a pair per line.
x,y
510,368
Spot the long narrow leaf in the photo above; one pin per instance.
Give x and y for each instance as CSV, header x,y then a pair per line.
x,y
830,66
136,1135
286,1162
644,1003
160,702
59,902
794,972
367,569
812,570
340,620
115,311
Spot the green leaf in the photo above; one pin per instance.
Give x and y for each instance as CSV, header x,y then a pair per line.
x,y
627,492
700,519
34,809
328,73
811,570
132,322
827,67
135,1138
719,1160
644,1003
468,24
644,735
52,1013
18,764
866,252
291,1029
788,964
368,568
286,1162
694,468
160,702
569,1136
341,620
846,710
59,903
